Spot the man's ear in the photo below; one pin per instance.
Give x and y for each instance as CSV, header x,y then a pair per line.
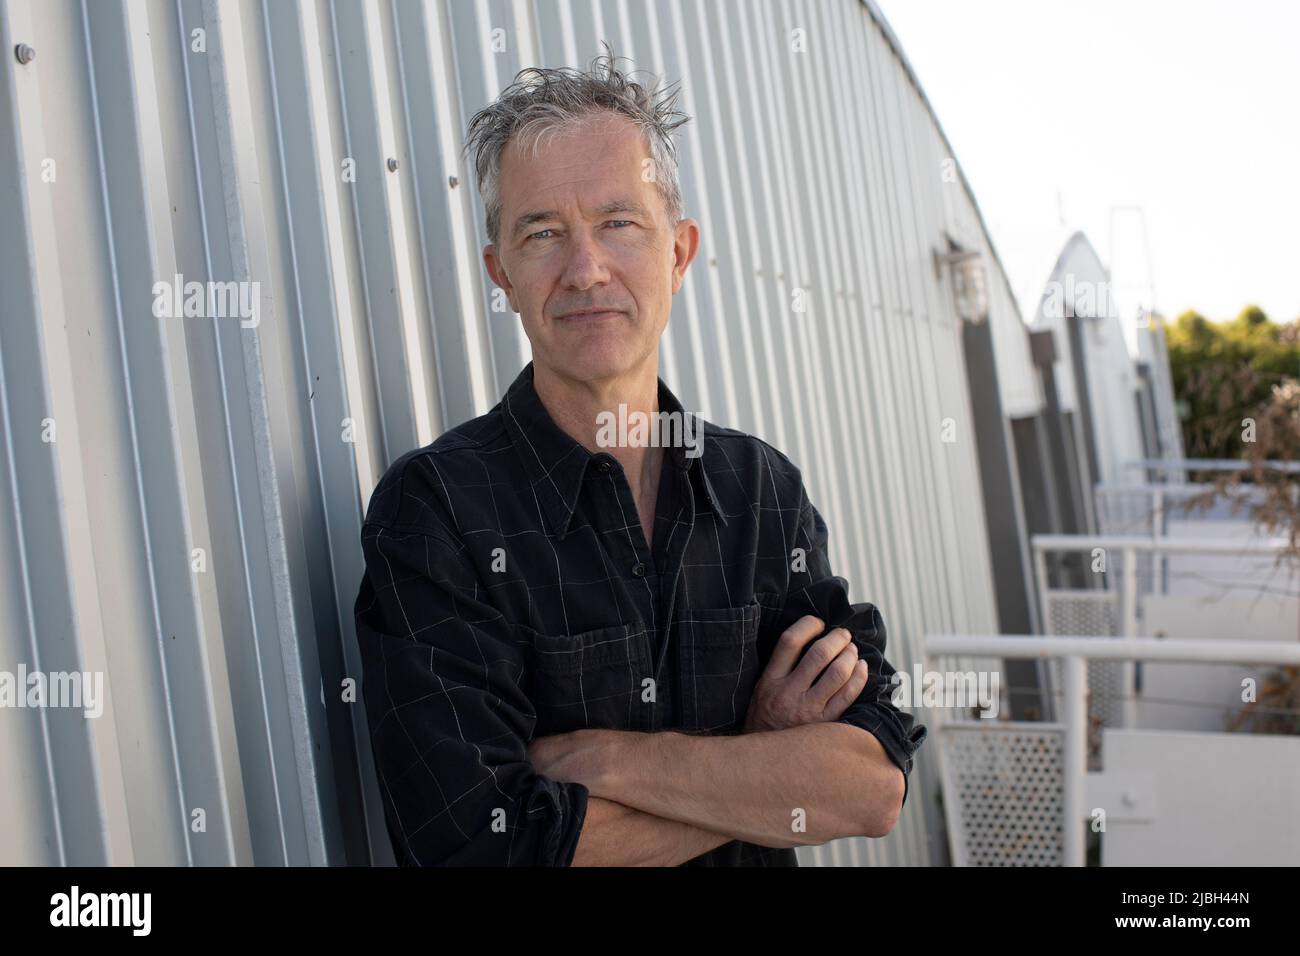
x,y
686,243
497,270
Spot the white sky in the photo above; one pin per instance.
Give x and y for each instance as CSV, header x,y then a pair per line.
x,y
1189,109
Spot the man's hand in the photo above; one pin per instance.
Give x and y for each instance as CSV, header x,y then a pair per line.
x,y
789,694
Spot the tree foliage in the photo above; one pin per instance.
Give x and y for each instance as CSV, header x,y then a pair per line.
x,y
1226,372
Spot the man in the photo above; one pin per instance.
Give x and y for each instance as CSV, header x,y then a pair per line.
x,y
580,652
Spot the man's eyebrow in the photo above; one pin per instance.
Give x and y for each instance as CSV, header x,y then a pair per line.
x,y
544,215
622,205
528,218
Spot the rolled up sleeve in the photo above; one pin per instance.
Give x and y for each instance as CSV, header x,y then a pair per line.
x,y
817,590
450,720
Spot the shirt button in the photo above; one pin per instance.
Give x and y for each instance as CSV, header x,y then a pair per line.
x,y
639,569
602,466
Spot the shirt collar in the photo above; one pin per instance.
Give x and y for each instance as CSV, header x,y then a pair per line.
x,y
557,464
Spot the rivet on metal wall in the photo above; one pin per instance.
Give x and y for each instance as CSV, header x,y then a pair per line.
x,y
392,165
24,53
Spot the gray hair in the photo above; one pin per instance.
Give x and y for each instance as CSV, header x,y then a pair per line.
x,y
542,100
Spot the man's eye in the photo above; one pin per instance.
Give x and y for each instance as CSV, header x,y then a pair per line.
x,y
536,234
627,221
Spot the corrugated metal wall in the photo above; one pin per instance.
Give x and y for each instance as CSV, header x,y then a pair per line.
x,y
183,496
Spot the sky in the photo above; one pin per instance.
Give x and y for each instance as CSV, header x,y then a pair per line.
x,y
1177,119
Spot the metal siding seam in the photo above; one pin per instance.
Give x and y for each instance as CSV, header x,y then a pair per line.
x,y
733,152
437,394
923,434
145,542
505,357
388,418
404,190
812,272
907,600
934,343
669,366
337,508
248,250
41,292
338,272
227,431
395,233
943,341
226,422
712,320
784,266
840,322
214,716
763,410
693,381
461,206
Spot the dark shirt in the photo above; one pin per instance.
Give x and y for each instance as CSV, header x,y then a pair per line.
x,y
509,594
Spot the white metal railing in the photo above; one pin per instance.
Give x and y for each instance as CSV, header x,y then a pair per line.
x,y
1169,465
1128,548
1148,507
1074,652
1114,611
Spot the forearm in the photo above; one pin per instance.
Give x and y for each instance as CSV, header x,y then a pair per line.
x,y
798,786
614,834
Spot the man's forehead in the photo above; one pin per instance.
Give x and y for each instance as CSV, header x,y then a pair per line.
x,y
580,149
532,184
613,129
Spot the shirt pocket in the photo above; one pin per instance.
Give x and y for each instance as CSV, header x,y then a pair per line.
x,y
720,665
591,679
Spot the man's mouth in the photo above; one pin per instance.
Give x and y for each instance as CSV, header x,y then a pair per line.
x,y
591,316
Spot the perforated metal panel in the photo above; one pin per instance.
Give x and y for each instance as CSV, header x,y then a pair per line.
x,y
1094,613
1083,612
1003,793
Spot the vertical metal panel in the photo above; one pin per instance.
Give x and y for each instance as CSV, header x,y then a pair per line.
x,y
813,174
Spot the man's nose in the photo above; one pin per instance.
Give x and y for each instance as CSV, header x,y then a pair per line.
x,y
585,266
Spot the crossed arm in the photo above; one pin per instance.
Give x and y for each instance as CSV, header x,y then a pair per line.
x,y
664,798
796,778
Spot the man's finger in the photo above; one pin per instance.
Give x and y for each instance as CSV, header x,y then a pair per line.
x,y
817,657
793,640
846,695
836,675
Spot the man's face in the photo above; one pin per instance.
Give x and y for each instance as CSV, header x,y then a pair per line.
x,y
584,227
